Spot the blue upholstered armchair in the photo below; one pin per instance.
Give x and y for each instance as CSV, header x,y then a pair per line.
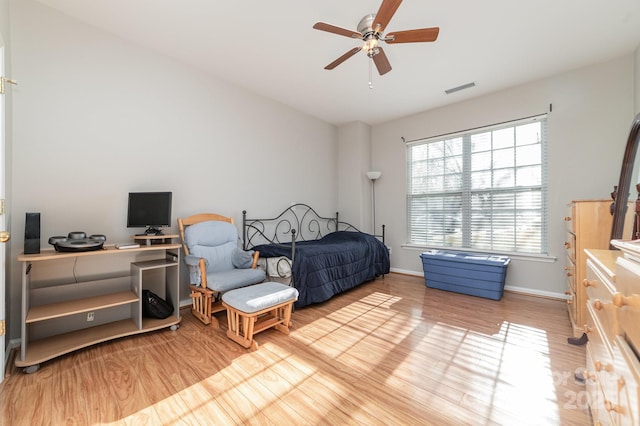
x,y
216,263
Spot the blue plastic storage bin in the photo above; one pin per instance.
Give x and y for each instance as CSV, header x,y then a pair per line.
x,y
476,274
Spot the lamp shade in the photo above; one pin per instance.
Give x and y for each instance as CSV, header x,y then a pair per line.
x,y
373,175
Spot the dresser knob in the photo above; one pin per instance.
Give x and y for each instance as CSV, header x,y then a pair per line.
x,y
587,375
621,383
567,218
610,406
597,305
586,283
567,245
600,366
587,329
619,299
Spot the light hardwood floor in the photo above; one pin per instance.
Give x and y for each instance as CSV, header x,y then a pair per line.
x,y
390,352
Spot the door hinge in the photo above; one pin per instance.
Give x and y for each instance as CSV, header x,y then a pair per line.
x,y
2,328
4,80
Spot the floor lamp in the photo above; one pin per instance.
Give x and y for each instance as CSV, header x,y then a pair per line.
x,y
373,176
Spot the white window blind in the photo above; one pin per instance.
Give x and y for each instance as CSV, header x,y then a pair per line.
x,y
481,189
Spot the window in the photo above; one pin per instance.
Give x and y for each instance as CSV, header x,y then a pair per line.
x,y
481,189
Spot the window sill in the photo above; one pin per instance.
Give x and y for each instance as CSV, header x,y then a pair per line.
x,y
515,256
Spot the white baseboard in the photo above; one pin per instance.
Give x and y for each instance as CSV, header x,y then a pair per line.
x,y
534,292
406,272
511,288
13,343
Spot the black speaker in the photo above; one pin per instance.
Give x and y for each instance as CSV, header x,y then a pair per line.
x,y
32,233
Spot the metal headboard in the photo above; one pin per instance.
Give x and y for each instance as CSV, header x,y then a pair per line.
x,y
299,222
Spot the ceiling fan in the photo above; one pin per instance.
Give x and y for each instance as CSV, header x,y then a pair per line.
x,y
371,32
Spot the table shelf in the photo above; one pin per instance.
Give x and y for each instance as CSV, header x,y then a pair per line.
x,y
71,307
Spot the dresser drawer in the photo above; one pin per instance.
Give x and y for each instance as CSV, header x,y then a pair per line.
x,y
597,284
605,316
570,272
600,347
569,218
572,305
627,409
608,376
600,299
570,246
595,394
627,301
600,364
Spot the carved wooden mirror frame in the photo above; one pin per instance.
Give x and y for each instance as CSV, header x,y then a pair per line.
x,y
624,184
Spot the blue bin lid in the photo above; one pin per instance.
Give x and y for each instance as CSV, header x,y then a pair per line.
x,y
479,258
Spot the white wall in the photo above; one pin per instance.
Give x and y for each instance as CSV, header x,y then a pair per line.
x,y
96,117
354,161
587,132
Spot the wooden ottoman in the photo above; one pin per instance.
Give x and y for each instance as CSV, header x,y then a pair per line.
x,y
256,308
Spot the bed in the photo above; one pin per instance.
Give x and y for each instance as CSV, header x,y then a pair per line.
x,y
320,256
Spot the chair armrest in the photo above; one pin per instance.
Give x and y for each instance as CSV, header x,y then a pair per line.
x,y
192,260
244,259
197,270
256,255
204,291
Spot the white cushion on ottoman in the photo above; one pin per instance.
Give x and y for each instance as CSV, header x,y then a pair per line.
x,y
258,297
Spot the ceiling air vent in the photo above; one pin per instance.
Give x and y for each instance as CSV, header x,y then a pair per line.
x,y
457,89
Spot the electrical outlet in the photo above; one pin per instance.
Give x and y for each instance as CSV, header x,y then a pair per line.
x,y
90,316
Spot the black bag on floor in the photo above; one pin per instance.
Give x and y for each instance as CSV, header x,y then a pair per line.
x,y
153,306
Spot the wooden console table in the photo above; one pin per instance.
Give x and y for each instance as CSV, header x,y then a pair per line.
x,y
58,318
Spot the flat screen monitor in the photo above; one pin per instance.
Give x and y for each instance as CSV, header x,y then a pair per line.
x,y
150,210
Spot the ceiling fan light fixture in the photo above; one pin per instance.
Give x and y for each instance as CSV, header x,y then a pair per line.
x,y
370,44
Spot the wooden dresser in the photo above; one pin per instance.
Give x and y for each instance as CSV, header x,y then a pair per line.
x,y
588,224
613,326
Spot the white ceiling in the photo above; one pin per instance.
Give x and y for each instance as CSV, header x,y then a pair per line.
x,y
269,47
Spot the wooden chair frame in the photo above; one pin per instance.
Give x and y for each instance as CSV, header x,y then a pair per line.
x,y
243,326
204,301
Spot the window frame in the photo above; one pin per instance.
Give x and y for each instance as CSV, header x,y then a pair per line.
x,y
466,226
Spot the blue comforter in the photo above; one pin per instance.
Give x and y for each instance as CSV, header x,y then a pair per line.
x,y
335,263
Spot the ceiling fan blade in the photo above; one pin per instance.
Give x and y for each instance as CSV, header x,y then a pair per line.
x,y
381,61
414,36
343,58
385,13
336,30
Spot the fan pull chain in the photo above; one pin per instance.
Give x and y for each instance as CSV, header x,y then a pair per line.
x,y
370,73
